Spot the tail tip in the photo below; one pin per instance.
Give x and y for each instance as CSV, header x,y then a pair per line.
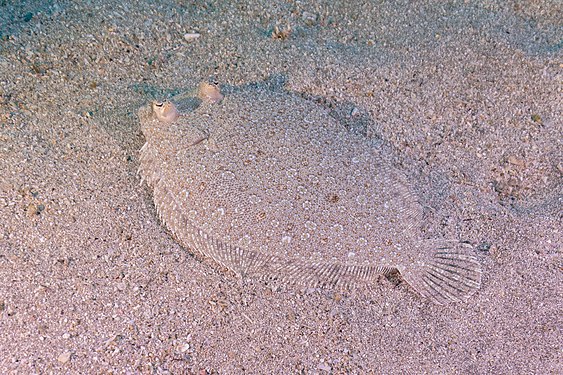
x,y
451,273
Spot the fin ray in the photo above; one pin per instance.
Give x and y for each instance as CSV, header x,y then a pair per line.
x,y
447,271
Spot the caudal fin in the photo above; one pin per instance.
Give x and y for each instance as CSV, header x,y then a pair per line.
x,y
447,271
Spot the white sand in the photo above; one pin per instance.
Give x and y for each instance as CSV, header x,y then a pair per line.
x,y
466,96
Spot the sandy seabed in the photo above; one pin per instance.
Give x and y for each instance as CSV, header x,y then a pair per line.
x,y
466,96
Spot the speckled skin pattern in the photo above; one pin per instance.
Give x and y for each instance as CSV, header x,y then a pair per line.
x,y
288,194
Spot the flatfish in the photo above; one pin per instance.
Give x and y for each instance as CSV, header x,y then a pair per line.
x,y
269,185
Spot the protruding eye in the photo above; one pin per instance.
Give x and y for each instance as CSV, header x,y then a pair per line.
x,y
165,111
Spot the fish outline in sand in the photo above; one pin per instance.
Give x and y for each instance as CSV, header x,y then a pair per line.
x,y
231,183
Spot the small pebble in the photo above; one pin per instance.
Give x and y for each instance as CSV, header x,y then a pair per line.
x,y
190,37
309,18
65,357
515,161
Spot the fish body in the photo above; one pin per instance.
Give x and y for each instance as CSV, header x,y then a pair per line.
x,y
268,184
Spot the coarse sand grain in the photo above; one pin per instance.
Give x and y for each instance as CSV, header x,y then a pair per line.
x,y
463,96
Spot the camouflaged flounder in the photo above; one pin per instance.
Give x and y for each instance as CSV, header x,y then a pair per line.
x,y
269,185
